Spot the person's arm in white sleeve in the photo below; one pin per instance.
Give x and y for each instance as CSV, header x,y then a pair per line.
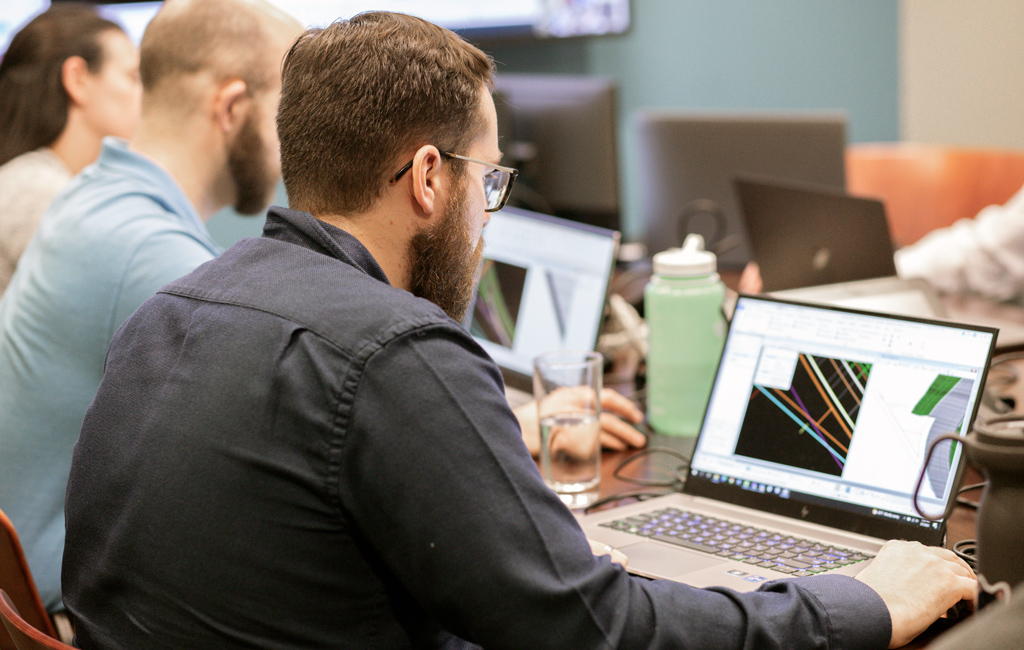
x,y
984,255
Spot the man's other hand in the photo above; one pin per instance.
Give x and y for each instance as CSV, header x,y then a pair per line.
x,y
618,415
918,584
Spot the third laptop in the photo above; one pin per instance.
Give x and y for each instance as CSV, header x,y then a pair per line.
x,y
811,447
804,235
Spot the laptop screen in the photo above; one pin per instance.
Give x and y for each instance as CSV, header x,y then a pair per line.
x,y
543,285
827,414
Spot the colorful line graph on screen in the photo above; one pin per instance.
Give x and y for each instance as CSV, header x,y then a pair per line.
x,y
496,308
814,419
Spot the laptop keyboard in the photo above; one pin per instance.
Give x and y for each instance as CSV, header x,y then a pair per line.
x,y
736,541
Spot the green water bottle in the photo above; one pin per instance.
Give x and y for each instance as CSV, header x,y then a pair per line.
x,y
683,309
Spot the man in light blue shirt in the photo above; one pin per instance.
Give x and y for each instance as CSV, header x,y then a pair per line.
x,y
126,226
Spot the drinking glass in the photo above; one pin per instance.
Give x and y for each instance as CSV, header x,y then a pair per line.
x,y
567,387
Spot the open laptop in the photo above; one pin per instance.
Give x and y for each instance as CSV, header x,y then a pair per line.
x,y
811,446
543,286
916,297
803,235
892,295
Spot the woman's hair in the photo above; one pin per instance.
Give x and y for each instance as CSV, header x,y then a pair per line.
x,y
33,101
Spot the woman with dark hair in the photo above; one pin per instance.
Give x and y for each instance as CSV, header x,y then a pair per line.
x,y
68,79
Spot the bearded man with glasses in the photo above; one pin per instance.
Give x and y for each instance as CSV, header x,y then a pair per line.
x,y
298,446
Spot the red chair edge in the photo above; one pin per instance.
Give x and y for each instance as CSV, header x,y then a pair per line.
x,y
20,629
44,624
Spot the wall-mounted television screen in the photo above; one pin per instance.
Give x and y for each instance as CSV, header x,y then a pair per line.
x,y
477,21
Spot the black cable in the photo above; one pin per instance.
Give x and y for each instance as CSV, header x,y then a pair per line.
x,y
968,503
1001,375
1005,357
967,550
678,474
638,495
675,484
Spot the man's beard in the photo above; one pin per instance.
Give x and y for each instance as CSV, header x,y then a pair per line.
x,y
247,162
443,260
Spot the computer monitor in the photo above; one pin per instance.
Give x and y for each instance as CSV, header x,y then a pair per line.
x,y
560,130
543,285
686,163
476,21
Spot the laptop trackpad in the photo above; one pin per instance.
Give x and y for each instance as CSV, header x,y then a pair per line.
x,y
661,560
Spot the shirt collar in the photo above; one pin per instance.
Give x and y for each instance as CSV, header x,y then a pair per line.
x,y
155,181
303,229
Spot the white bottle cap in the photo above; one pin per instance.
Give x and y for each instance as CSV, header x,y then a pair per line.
x,y
689,261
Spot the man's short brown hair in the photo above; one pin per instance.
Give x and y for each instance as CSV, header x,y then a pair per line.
x,y
359,94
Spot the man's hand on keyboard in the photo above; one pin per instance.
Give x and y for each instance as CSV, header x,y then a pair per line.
x,y
918,584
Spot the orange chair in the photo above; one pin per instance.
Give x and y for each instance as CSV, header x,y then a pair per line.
x,y
16,580
927,186
25,636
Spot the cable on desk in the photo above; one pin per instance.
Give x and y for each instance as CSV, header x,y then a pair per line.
x,y
675,484
638,495
1005,357
967,550
962,501
1000,376
678,474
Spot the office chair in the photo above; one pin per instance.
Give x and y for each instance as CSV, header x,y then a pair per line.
x,y
25,636
16,580
928,186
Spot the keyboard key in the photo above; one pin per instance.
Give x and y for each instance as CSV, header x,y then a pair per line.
x,y
685,543
796,564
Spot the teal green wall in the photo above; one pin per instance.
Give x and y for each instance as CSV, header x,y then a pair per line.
x,y
725,54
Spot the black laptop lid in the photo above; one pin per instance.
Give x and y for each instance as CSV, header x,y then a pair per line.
x,y
804,235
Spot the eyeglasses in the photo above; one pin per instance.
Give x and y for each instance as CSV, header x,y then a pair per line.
x,y
497,182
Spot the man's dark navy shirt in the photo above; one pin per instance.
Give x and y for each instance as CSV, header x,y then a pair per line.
x,y
287,452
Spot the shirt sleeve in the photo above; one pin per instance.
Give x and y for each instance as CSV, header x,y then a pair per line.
x,y
984,255
158,259
436,477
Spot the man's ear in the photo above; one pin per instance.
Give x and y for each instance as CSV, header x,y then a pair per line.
x,y
231,105
427,180
74,74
